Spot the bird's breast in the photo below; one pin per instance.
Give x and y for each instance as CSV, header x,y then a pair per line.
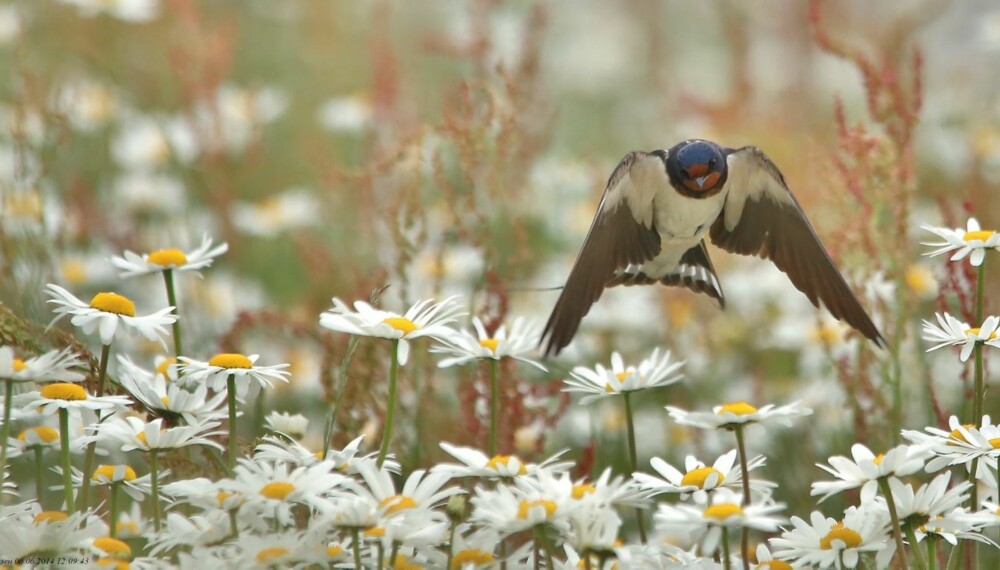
x,y
685,220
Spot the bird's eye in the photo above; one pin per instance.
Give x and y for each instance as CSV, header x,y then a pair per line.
x,y
713,162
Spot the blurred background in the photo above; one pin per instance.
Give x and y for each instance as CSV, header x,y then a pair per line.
x,y
461,147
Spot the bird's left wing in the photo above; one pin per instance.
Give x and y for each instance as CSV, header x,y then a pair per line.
x,y
761,217
622,233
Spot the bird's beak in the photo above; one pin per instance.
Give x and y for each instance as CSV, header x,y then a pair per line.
x,y
707,182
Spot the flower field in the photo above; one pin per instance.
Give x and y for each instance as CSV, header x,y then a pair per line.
x,y
275,276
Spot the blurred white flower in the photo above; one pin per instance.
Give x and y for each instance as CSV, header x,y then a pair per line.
x,y
952,332
972,242
291,209
292,425
59,395
160,393
826,542
705,522
132,433
866,469
653,372
145,143
105,312
136,487
477,464
52,366
233,117
933,508
141,192
425,318
249,376
699,478
88,104
961,445
271,489
10,24
127,10
727,416
349,114
133,264
463,347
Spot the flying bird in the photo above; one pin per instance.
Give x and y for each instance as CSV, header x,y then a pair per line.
x,y
657,209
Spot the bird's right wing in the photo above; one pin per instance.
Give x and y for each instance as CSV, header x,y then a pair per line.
x,y
623,232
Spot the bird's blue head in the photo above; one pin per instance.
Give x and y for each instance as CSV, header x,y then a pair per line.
x,y
697,168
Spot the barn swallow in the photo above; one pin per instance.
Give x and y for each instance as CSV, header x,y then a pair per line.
x,y
653,218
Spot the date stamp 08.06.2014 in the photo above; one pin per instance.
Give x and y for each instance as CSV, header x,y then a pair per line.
x,y
52,561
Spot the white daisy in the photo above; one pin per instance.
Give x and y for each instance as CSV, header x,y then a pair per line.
x,y
826,542
168,398
426,318
866,469
212,527
961,445
136,487
272,489
509,509
33,530
132,433
422,490
60,395
133,264
698,478
728,416
599,382
705,522
477,464
292,425
105,312
464,347
53,366
126,10
937,510
217,370
972,242
952,332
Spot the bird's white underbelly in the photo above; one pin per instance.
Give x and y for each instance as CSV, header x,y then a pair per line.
x,y
682,222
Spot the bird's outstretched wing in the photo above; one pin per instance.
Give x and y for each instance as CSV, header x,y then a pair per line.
x,y
761,217
622,233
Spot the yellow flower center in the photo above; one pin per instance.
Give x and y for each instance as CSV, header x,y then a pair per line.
x,y
44,433
108,472
397,503
504,460
270,553
956,434
404,563
981,235
166,401
525,507
995,443
722,511
113,547
64,391
162,367
127,527
375,532
113,303
168,257
141,436
402,324
226,360
849,537
878,459
50,517
334,550
775,565
277,490
490,343
19,365
698,476
975,331
582,490
737,408
221,496
471,556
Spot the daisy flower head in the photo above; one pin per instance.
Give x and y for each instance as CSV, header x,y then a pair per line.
x,y
426,318
462,347
731,415
167,398
724,510
132,433
826,542
508,509
475,463
124,475
866,469
133,264
63,395
950,331
699,479
292,425
599,382
934,508
973,242
53,366
105,312
217,370
272,489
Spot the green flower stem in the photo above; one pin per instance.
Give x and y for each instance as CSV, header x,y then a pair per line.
x,y
66,467
745,535
259,413
542,536
234,527
451,545
726,563
39,474
931,553
918,557
154,480
168,280
390,406
88,459
633,457
5,430
491,447
233,447
977,397
897,533
113,511
356,547
381,555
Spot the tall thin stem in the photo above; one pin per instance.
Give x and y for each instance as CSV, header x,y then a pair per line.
x,y
931,553
491,447
233,447
897,532
5,430
66,467
918,556
726,562
977,399
39,474
356,547
745,473
88,458
390,406
633,457
113,511
168,280
154,480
